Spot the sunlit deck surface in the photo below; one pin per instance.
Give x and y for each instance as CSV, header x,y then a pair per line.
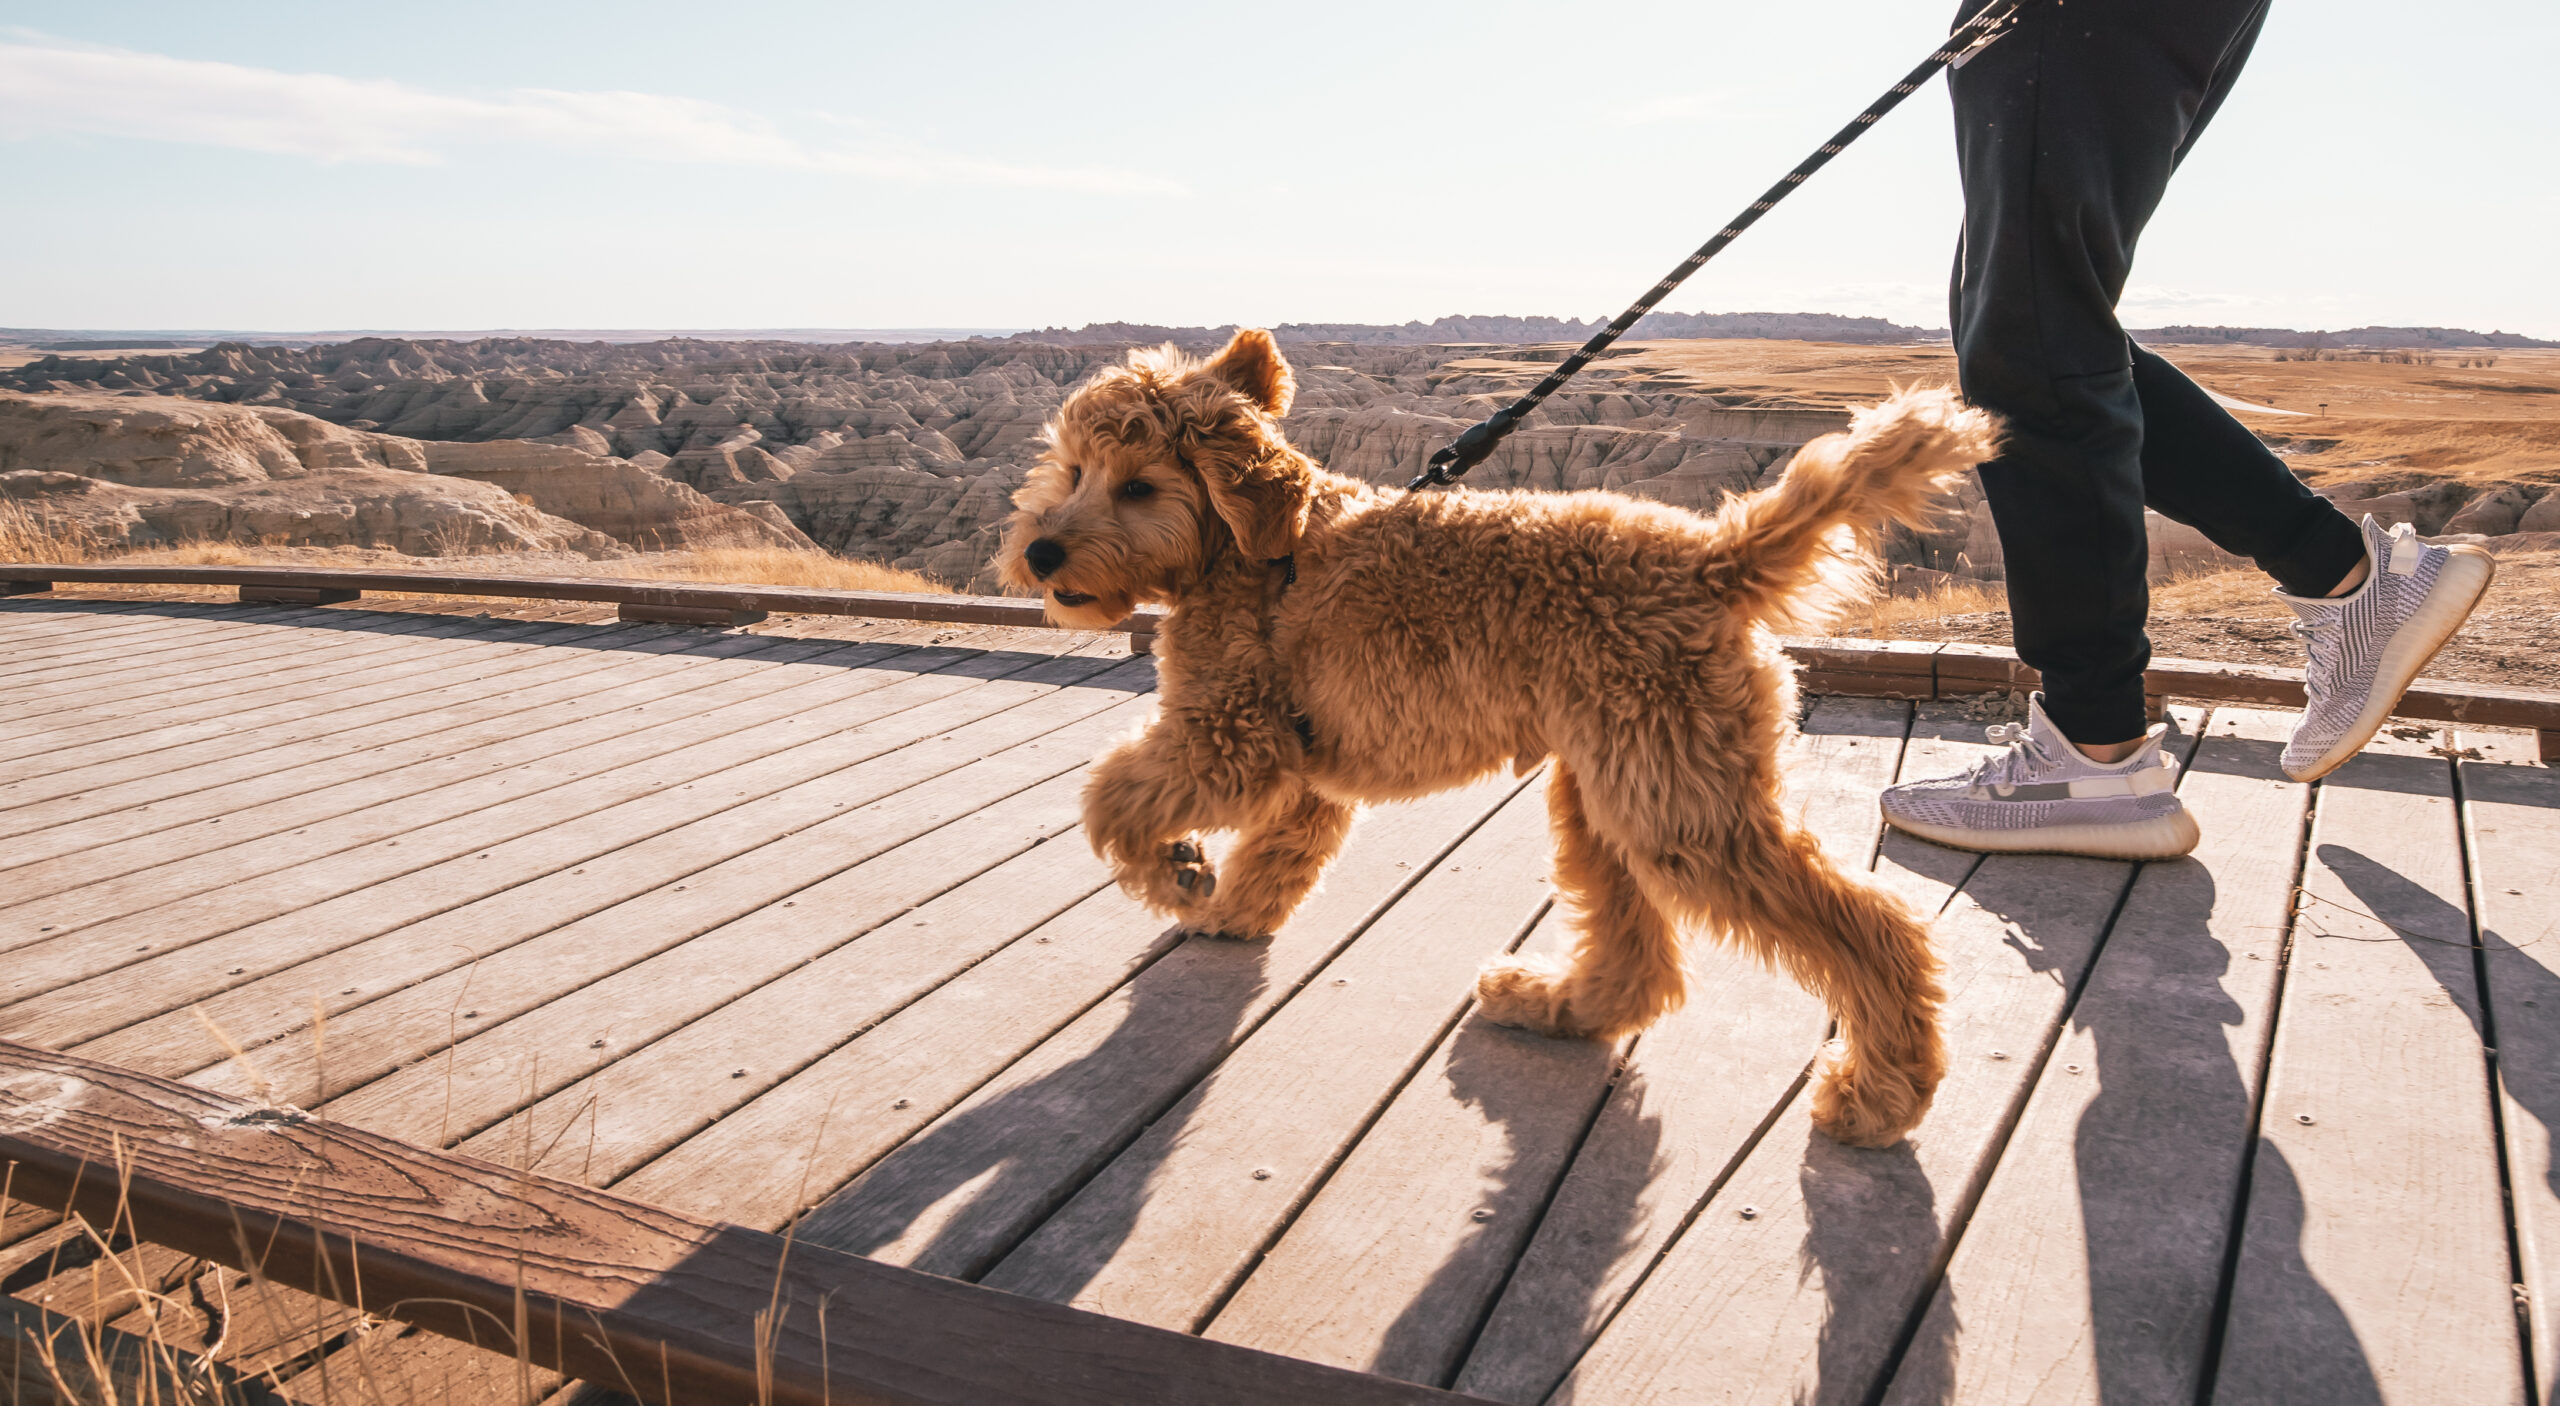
x,y
801,932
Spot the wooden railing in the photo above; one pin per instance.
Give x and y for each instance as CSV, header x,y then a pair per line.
x,y
603,1288
1881,668
666,602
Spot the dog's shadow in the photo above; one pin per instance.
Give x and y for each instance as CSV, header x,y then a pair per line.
x,y
994,1170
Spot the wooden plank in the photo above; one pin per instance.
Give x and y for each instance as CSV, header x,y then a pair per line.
x,y
139,706
640,721
36,642
608,1282
2373,1259
891,931
497,1070
2511,814
203,663
1700,1091
1699,1088
396,1367
1810,1293
50,1359
1392,1265
764,1163
2091,1268
486,653
113,828
347,898
420,716
1166,1230
1395,1263
413,982
242,1324
82,629
890,605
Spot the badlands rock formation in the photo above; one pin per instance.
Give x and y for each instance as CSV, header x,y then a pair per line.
x,y
117,472
909,453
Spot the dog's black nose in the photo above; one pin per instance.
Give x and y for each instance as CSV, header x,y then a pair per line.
x,y
1045,556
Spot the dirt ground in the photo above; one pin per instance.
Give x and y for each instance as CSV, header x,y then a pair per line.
x,y
2229,617
2475,416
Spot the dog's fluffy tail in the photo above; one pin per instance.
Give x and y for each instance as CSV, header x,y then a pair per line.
x,y
1791,555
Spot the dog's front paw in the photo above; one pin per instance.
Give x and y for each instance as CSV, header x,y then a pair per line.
x,y
1177,882
1187,868
1865,1103
1526,993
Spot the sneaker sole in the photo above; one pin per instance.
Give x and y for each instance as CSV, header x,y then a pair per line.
x,y
2162,837
2438,619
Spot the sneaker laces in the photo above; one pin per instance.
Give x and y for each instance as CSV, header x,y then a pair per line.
x,y
2022,755
2319,639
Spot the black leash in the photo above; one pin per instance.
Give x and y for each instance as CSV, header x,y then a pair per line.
x,y
1471,448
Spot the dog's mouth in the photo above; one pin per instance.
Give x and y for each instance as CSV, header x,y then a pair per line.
x,y
1071,599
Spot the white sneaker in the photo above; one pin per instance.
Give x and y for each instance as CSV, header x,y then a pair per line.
x,y
2368,646
2044,796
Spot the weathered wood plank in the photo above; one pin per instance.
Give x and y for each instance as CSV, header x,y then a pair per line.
x,y
1702,1087
1394,1264
94,701
2511,808
2373,1259
84,807
512,949
181,722
205,663
651,747
496,1071
764,1163
1809,1295
37,642
893,930
439,1239
77,640
1391,1266
2091,1268
888,605
1167,1229
334,903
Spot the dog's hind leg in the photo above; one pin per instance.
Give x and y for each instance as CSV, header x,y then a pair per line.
x,y
1273,867
1772,889
1625,971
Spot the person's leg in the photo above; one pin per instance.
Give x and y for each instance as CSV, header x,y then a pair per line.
x,y
2205,469
2067,132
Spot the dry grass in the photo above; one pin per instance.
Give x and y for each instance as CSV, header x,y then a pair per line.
x,y
774,566
1910,616
29,535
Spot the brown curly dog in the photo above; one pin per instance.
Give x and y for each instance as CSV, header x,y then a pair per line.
x,y
1331,643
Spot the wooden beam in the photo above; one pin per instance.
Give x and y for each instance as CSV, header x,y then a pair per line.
x,y
297,595
16,586
883,605
627,1295
716,616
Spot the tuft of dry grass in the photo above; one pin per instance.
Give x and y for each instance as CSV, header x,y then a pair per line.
x,y
1891,616
28,535
776,566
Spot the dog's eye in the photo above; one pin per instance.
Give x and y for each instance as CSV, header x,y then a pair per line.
x,y
1137,488
1075,476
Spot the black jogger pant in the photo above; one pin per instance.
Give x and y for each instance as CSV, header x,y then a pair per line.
x,y
2067,129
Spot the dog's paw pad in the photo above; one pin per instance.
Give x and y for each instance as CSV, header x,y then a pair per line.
x,y
1193,879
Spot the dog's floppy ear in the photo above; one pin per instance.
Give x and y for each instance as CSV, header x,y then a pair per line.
x,y
1251,366
1261,497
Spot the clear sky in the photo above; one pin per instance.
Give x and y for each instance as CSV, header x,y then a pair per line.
x,y
467,165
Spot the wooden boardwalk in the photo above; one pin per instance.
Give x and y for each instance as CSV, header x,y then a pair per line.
x,y
800,932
